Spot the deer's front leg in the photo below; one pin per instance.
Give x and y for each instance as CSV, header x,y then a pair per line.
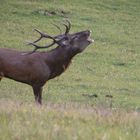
x,y
38,94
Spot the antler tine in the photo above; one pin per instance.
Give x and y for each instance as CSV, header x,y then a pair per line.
x,y
67,26
38,39
39,47
67,29
42,35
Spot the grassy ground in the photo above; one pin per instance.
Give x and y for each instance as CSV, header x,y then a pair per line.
x,y
108,67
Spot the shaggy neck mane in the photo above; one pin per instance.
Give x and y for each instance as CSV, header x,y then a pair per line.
x,y
58,60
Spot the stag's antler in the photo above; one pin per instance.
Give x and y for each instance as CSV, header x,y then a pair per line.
x,y
39,47
44,35
67,26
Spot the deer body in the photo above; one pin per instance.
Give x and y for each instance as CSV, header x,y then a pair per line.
x,y
22,68
39,66
36,68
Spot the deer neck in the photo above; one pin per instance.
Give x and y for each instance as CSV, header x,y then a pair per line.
x,y
58,61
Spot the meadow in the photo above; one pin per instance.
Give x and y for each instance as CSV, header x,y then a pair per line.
x,y
98,97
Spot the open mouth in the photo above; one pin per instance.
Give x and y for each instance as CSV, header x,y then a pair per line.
x,y
89,39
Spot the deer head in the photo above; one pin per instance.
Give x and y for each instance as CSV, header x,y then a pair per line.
x,y
76,42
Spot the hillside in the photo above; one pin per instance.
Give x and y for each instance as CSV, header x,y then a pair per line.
x,y
107,68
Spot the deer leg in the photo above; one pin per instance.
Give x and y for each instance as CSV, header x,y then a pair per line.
x,y
38,94
1,75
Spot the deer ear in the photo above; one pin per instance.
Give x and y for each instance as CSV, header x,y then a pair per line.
x,y
63,43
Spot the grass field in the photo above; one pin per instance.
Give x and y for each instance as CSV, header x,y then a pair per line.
x,y
111,66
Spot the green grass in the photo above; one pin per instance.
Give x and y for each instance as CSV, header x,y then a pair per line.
x,y
108,67
66,121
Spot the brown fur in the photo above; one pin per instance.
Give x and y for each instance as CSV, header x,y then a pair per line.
x,y
37,68
33,69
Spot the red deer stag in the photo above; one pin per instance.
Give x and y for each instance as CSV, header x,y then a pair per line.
x,y
36,68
